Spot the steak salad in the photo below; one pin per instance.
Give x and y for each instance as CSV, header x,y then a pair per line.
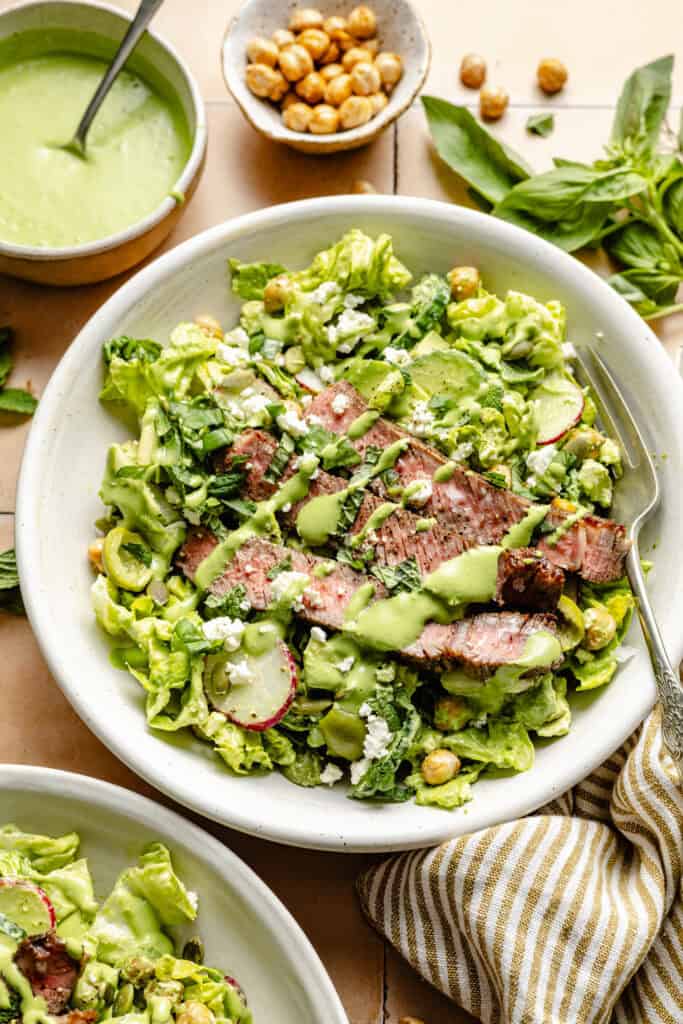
x,y
364,533
65,958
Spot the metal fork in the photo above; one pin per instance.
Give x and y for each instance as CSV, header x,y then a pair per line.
x,y
636,497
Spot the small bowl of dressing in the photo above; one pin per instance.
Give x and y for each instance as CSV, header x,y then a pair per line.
x,y
65,220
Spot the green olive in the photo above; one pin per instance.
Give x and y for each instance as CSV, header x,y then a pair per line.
x,y
572,628
122,564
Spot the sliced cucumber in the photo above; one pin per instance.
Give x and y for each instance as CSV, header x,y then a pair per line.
x,y
25,906
252,690
558,405
121,560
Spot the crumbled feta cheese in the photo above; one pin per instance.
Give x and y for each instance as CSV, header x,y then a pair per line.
x,y
237,336
351,300
340,404
420,491
397,356
193,898
230,631
351,323
291,423
235,410
358,770
346,664
377,735
462,451
568,350
239,672
422,420
306,400
330,774
248,569
230,354
313,598
326,374
289,584
270,348
314,421
539,460
254,405
324,291
318,634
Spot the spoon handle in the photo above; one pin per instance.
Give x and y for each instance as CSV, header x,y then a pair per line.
x,y
145,13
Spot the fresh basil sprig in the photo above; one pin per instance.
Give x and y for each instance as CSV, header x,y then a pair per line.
x,y
630,201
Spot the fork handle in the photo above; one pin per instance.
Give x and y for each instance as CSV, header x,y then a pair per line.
x,y
669,689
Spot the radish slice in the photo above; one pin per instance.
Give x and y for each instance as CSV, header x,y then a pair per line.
x,y
253,691
27,906
558,406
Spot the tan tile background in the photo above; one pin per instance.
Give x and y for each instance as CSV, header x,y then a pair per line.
x,y
601,41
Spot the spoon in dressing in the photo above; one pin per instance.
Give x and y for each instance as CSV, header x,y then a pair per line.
x,y
145,13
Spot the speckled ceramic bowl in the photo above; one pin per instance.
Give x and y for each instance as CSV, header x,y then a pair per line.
x,y
400,30
105,257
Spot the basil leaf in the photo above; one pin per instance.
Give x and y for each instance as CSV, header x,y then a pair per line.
x,y
18,401
643,104
233,604
187,636
615,187
659,285
540,124
636,245
632,293
569,232
403,576
673,206
280,459
551,195
489,166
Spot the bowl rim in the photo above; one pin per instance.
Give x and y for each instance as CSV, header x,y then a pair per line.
x,y
335,140
168,203
297,832
219,858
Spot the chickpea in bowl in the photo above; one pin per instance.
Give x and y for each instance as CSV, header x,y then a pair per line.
x,y
325,79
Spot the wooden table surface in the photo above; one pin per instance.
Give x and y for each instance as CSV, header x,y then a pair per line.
x,y
601,41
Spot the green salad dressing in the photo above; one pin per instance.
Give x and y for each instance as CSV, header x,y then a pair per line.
x,y
362,424
556,536
33,1008
374,521
444,473
136,147
395,622
519,535
467,579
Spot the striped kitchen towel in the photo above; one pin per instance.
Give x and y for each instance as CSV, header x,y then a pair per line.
x,y
573,915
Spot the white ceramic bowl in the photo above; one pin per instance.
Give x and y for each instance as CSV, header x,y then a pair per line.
x,y
64,461
245,928
105,257
400,30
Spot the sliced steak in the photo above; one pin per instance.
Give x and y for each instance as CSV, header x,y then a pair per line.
x,y
479,643
398,537
480,512
48,968
528,581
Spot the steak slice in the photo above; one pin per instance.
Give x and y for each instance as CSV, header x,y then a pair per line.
x,y
48,968
398,537
479,643
481,513
527,580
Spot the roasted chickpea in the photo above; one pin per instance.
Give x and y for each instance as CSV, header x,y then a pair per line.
x,y
355,111
362,22
473,71
464,282
288,99
324,120
363,188
296,117
492,103
195,1013
331,71
440,766
95,554
315,41
209,325
331,54
372,46
305,17
334,24
390,67
262,80
283,37
277,291
355,56
365,79
338,90
295,62
311,88
378,102
601,628
280,87
262,51
552,75
344,40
